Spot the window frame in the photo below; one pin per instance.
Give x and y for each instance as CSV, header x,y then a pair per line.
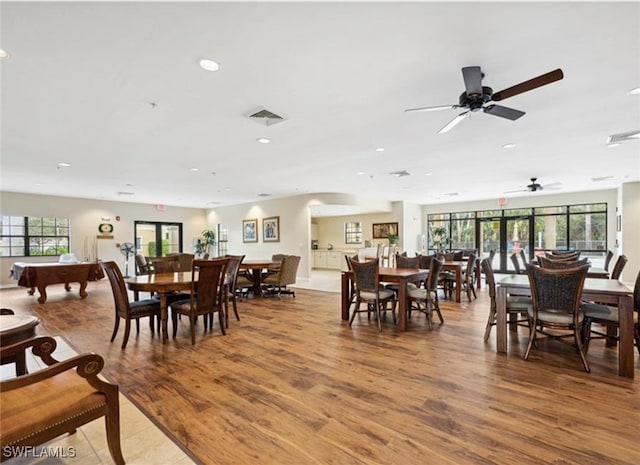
x,y
61,234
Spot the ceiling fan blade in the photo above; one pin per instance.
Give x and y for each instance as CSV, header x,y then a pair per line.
x,y
513,192
472,80
531,84
503,112
553,186
454,122
441,107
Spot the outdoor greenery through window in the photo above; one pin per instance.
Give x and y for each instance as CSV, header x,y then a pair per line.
x,y
353,232
24,236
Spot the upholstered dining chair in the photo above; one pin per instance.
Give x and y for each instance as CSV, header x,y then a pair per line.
x,y
556,297
562,264
427,295
208,296
126,310
56,400
169,264
369,292
277,284
142,266
609,316
517,306
570,256
405,263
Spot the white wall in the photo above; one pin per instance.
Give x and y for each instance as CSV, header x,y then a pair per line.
x,y
629,239
85,216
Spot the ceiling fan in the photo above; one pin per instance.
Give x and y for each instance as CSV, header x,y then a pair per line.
x,y
476,96
535,187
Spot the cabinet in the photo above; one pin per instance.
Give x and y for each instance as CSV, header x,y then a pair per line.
x,y
329,259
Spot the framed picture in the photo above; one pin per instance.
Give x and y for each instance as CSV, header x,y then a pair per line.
x,y
271,229
250,230
382,230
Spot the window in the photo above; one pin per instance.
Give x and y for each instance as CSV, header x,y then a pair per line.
x,y
24,236
223,240
155,239
353,232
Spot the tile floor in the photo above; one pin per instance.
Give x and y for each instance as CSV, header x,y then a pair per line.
x,y
142,442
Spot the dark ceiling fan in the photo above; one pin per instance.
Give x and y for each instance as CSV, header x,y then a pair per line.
x,y
476,97
535,187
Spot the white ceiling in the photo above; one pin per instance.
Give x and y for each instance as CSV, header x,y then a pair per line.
x,y
114,89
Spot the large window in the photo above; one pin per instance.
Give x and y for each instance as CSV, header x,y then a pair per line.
x,y
353,232
24,236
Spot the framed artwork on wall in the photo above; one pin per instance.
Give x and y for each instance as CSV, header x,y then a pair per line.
x,y
271,229
382,230
250,230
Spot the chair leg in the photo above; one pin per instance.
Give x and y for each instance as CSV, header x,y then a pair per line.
x,y
532,337
221,318
115,327
379,313
355,312
174,322
192,325
576,336
586,334
436,307
112,427
490,322
127,329
138,325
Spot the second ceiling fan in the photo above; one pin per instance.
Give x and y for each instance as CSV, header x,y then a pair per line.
x,y
477,97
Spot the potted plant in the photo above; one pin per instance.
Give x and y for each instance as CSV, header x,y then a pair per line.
x,y
440,240
393,239
204,244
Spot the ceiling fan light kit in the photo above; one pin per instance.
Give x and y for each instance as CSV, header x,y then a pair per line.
x,y
477,97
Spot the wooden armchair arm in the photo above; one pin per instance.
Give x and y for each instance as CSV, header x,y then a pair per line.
x,y
42,346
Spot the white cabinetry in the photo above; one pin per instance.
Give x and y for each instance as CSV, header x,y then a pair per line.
x,y
329,259
319,259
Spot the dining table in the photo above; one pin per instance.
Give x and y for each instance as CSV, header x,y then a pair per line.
x,y
456,267
255,268
162,284
400,276
606,291
14,329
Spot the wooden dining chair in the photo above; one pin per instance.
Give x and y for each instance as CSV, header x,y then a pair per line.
x,y
231,283
616,273
427,295
126,310
556,306
607,260
369,292
208,296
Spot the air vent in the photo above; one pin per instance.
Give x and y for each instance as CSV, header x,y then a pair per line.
x,y
265,117
623,137
264,195
602,178
400,174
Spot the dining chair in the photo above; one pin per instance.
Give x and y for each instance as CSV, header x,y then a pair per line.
x,y
368,291
516,263
468,277
126,310
427,295
169,264
208,296
231,283
607,260
142,266
405,263
56,400
570,256
562,264
619,266
523,256
276,284
609,316
517,306
556,297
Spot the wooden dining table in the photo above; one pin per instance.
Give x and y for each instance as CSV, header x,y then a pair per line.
x,y
400,276
607,291
255,267
162,284
456,267
14,329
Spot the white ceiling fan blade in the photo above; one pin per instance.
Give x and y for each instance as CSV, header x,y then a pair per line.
x,y
553,186
454,122
513,192
441,107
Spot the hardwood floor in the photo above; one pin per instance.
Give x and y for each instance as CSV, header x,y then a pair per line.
x,y
292,384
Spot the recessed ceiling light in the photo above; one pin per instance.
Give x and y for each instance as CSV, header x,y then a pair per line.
x,y
214,202
3,54
121,193
195,169
361,173
635,91
263,140
428,173
509,146
63,164
208,65
614,144
602,178
380,149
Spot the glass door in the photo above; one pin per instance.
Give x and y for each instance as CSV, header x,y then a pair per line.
x,y
505,235
489,239
517,237
154,239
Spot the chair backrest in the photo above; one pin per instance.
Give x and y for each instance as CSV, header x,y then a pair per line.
x,y
562,264
207,291
449,256
366,275
380,252
492,253
487,269
431,283
288,270
424,261
118,287
564,252
562,257
458,255
557,290
232,269
607,260
142,267
618,267
407,262
471,264
523,256
636,298
516,263
165,264
184,260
